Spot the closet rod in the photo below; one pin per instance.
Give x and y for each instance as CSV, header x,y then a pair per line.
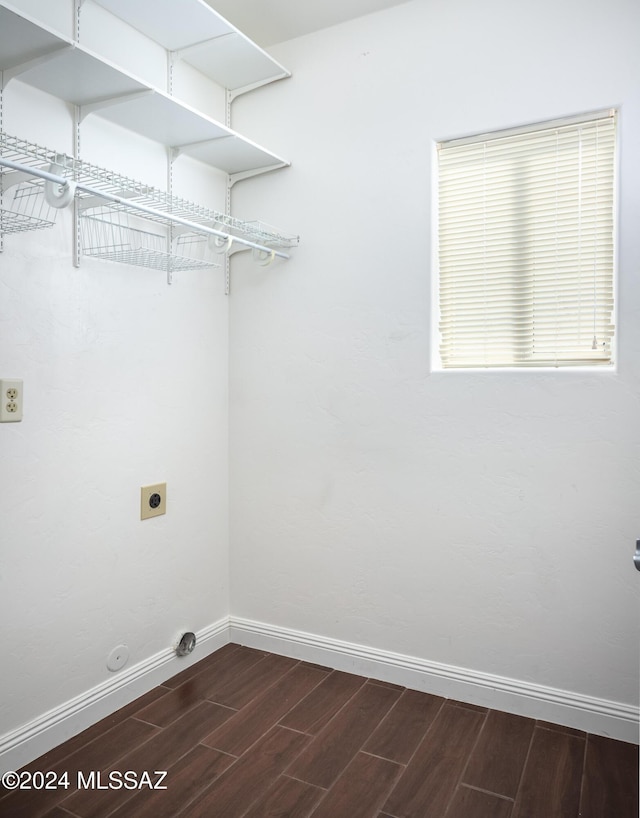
x,y
199,228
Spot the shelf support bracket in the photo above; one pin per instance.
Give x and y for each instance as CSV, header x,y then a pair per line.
x,y
183,53
1,174
9,180
101,104
171,235
245,89
16,70
227,202
77,245
249,174
89,202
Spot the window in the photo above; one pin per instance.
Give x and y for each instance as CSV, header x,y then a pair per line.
x,y
525,246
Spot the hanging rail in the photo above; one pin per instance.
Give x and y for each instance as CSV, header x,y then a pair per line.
x,y
67,188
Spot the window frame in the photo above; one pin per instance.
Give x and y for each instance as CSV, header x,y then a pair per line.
x,y
435,334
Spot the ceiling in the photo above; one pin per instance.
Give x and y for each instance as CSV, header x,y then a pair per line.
x,y
272,21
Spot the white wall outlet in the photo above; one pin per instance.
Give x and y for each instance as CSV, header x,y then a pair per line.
x,y
10,400
153,500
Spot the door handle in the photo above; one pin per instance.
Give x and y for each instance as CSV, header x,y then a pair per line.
x,y
636,556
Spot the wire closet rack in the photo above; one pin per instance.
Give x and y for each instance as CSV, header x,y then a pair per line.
x,y
24,208
22,203
121,219
110,235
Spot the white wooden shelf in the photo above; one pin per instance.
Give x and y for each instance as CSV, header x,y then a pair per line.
x,y
112,212
22,40
202,38
52,63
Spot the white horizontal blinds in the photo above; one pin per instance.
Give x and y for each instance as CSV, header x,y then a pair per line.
x,y
526,246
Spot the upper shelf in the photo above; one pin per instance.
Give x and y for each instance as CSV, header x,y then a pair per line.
x,y
52,63
203,38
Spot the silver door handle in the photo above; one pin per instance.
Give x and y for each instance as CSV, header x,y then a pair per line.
x,y
636,556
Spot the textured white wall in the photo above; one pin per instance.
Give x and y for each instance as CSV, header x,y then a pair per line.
x,y
482,520
125,382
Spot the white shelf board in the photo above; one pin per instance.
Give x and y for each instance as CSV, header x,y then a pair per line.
x,y
233,62
234,154
164,119
78,76
48,61
205,39
23,39
81,78
172,25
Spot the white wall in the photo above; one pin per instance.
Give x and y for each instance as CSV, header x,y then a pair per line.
x,y
485,521
125,383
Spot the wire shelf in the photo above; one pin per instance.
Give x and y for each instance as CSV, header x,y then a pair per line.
x,y
136,192
24,208
19,150
109,235
133,191
265,234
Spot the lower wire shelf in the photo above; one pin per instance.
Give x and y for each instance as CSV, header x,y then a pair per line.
x,y
155,239
110,236
23,208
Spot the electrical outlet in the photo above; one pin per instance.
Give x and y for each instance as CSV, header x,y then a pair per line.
x,y
10,400
153,500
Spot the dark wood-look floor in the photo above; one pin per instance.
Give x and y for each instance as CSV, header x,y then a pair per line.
x,y
247,734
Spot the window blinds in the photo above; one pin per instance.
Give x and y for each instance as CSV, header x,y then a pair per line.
x,y
525,246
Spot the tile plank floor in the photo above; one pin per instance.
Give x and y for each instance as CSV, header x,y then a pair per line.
x,y
249,734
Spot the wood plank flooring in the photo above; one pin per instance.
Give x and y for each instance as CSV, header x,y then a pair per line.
x,y
248,734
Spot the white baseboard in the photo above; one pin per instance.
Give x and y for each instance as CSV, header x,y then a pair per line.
x,y
600,716
31,740
606,718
